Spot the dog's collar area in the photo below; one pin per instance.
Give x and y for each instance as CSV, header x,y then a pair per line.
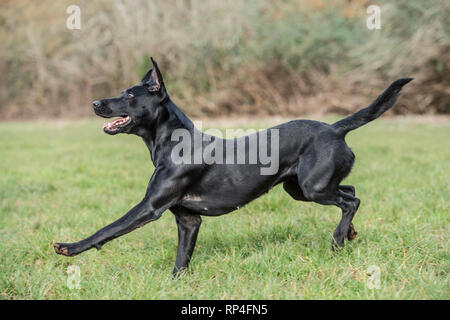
x,y
117,123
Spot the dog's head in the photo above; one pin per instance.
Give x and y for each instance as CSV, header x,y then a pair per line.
x,y
135,107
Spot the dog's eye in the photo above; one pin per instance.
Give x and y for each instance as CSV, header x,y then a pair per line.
x,y
130,95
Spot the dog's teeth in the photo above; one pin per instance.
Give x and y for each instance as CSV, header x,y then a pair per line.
x,y
114,125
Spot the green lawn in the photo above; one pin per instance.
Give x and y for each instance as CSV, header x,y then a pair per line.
x,y
63,181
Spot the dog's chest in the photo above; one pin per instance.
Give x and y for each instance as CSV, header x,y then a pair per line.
x,y
210,204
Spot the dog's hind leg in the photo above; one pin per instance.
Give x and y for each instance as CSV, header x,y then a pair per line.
x,y
347,189
293,189
349,205
319,184
188,223
350,190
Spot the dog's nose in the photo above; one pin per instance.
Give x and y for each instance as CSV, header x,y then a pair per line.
x,y
96,103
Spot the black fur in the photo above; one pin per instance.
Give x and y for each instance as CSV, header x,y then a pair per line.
x,y
314,159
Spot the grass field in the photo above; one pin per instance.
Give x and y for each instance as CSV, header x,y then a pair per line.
x,y
63,181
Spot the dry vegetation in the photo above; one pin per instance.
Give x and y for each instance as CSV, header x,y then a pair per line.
x,y
224,57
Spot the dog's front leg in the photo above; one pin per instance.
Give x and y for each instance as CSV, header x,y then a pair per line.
x,y
159,197
188,224
141,214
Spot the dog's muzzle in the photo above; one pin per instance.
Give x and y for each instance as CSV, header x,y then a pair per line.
x,y
101,109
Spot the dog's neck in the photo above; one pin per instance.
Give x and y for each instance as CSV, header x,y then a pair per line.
x,y
159,133
179,115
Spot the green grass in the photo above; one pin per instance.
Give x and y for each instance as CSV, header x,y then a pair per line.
x,y
62,182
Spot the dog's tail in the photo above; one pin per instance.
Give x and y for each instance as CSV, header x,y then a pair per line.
x,y
381,104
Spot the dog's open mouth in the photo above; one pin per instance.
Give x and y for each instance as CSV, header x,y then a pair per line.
x,y
117,124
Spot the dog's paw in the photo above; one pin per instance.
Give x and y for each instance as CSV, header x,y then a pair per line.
x,y
65,249
351,234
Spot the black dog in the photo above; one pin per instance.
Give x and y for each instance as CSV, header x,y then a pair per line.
x,y
313,160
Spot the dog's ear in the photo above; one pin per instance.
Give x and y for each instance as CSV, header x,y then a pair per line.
x,y
153,79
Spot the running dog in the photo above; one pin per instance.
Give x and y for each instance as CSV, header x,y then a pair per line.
x,y
313,160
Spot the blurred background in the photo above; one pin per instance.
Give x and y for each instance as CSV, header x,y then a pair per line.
x,y
232,64
224,58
